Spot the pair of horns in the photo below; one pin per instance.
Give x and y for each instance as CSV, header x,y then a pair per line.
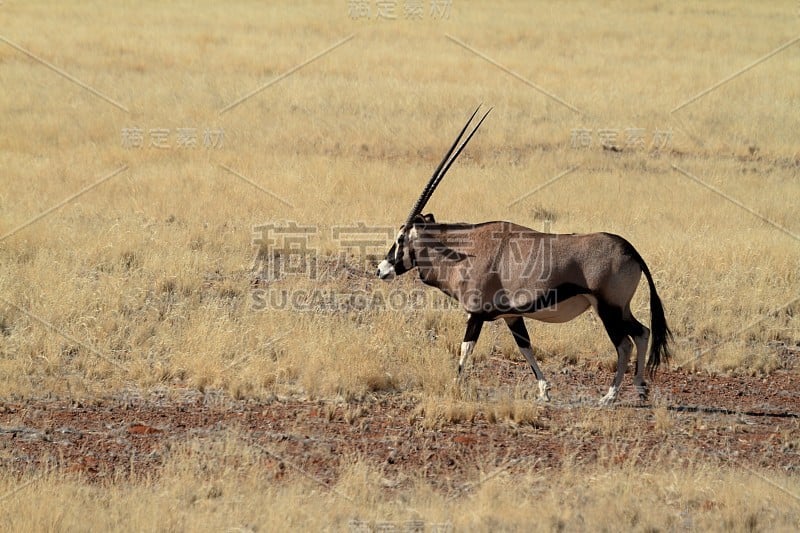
x,y
444,166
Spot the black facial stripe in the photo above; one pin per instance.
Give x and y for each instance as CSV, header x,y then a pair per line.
x,y
391,254
398,248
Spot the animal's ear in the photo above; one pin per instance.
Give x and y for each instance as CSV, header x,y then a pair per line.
x,y
428,219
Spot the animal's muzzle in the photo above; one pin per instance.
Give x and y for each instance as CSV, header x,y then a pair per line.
x,y
385,270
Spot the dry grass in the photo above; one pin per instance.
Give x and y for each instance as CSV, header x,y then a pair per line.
x,y
226,484
460,404
145,280
152,268
147,276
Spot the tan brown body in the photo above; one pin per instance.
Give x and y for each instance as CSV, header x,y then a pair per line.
x,y
503,270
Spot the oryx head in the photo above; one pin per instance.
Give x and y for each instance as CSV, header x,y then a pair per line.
x,y
400,258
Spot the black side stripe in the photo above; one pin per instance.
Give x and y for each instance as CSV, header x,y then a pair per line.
x,y
551,298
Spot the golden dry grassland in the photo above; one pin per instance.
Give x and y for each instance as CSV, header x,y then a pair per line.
x,y
145,278
220,485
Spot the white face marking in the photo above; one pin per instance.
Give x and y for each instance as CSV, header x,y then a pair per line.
x,y
407,246
385,270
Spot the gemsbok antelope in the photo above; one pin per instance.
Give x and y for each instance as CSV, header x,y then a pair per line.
x,y
503,270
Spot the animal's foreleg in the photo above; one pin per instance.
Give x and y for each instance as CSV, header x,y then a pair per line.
x,y
474,325
521,337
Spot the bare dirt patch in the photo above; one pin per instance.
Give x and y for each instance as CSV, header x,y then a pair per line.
x,y
745,422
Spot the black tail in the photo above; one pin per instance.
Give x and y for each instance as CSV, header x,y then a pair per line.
x,y
660,333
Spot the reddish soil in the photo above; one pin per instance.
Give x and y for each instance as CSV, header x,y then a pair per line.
x,y
745,422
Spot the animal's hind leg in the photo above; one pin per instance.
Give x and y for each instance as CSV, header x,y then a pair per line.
x,y
617,329
641,337
520,332
624,348
474,325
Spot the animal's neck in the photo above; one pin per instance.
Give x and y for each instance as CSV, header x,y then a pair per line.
x,y
436,259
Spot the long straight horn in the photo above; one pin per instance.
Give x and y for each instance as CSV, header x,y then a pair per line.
x,y
438,174
458,152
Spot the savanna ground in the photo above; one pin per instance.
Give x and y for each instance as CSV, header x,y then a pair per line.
x,y
191,334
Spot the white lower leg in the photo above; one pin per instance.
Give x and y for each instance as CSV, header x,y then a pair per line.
x,y
623,354
466,349
544,388
611,397
544,391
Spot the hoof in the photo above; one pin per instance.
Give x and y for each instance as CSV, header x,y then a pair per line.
x,y
644,392
609,398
